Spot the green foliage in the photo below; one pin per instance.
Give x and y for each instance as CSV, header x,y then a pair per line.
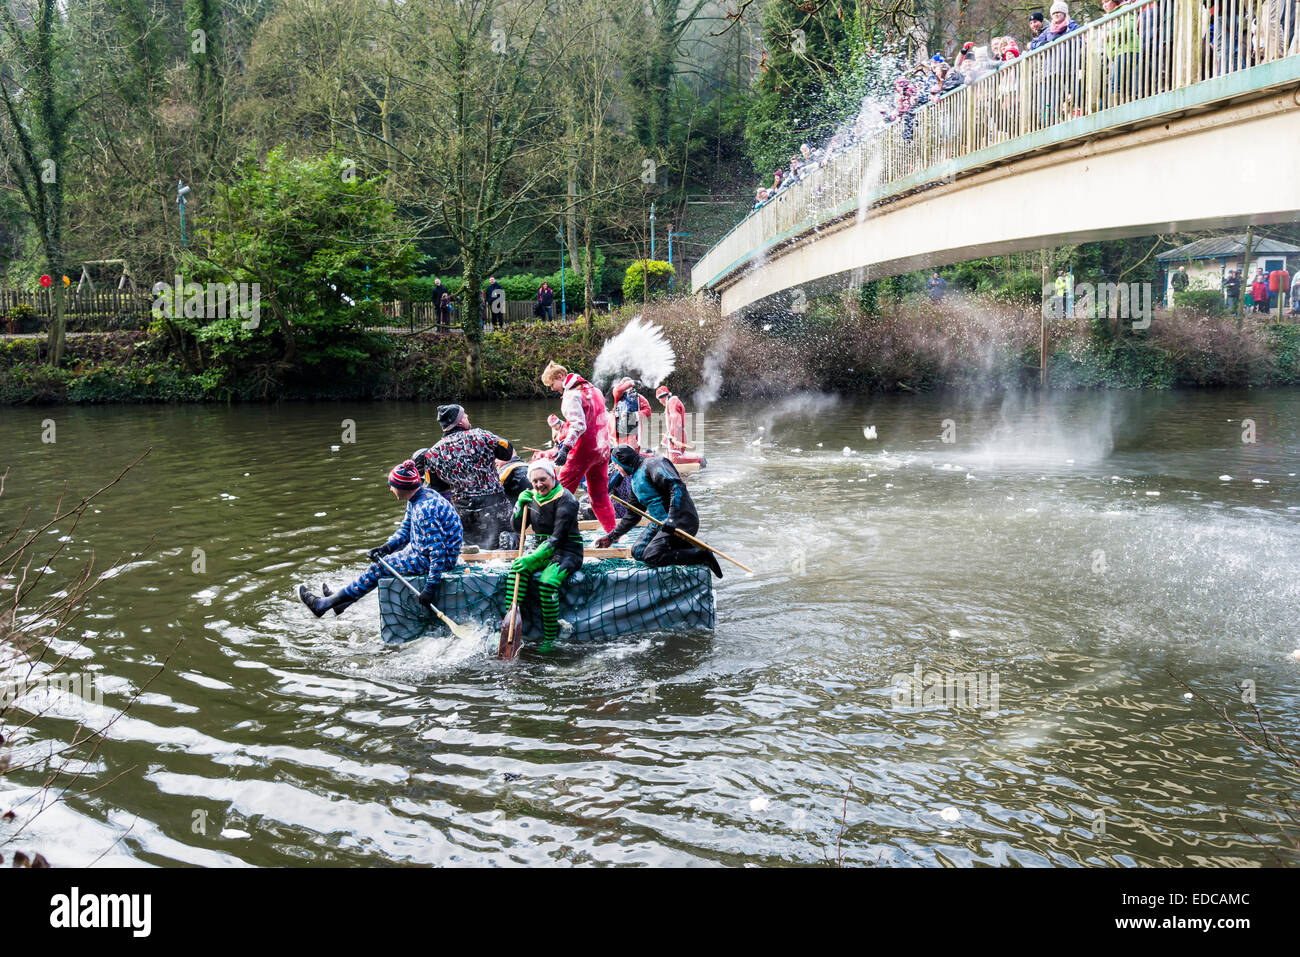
x,y
1200,300
311,239
643,274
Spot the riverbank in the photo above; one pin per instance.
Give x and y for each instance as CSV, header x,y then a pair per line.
x,y
964,343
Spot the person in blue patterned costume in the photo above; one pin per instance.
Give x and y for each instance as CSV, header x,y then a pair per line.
x,y
426,543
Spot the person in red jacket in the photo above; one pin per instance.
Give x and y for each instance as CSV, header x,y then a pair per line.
x,y
584,452
675,428
630,407
1259,291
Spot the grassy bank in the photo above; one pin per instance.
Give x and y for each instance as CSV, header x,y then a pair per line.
x,y
963,343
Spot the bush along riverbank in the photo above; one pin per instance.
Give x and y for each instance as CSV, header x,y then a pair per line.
x,y
837,346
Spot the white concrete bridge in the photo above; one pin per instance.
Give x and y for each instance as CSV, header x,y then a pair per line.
x,y
1196,127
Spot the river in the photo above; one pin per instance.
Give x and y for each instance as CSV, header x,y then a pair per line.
x,y
1076,557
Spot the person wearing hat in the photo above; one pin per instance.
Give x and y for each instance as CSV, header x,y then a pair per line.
x,y
675,427
426,543
658,489
463,466
1035,24
630,407
583,453
1061,25
553,515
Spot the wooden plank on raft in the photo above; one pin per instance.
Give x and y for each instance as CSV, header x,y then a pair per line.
x,y
593,525
588,555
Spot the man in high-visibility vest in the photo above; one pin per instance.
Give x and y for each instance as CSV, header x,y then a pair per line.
x,y
1060,294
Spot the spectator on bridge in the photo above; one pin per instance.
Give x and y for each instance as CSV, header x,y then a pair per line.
x,y
1061,25
1010,49
936,288
1232,289
1119,45
760,197
1035,26
1259,291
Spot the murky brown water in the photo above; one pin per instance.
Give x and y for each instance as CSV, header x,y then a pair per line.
x,y
1029,552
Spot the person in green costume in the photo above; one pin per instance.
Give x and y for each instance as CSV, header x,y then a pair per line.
x,y
552,512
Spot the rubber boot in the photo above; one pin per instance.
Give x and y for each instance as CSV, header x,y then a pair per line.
x,y
339,608
712,561
337,601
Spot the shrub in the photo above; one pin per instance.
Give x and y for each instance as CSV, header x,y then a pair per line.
x,y
643,275
1199,300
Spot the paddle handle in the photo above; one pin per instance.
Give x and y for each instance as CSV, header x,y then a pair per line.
x,y
398,575
686,535
514,603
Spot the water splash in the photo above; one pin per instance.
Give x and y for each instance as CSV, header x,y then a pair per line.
x,y
716,358
641,350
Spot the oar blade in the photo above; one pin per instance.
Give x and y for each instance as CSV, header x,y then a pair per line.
x,y
512,635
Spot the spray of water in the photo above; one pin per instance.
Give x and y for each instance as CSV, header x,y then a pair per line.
x,y
716,358
640,350
801,405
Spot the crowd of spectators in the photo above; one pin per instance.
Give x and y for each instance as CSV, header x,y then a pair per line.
x,y
935,78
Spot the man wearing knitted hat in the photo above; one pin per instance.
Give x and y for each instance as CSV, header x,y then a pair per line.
x,y
675,427
552,514
463,466
659,490
426,543
584,450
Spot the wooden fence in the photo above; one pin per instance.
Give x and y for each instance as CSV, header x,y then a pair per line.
x,y
114,310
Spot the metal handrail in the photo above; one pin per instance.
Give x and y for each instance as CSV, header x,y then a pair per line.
x,y
1142,50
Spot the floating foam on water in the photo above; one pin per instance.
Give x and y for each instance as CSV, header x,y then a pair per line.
x,y
1225,478
847,451
1260,481
954,633
1154,494
950,814
759,804
869,432
233,834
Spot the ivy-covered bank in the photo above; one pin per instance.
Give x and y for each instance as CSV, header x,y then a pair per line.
x,y
916,346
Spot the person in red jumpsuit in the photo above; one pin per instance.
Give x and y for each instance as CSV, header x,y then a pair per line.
x,y
675,428
584,452
630,407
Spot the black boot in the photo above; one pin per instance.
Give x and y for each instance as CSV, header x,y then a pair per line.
x,y
343,603
711,560
319,606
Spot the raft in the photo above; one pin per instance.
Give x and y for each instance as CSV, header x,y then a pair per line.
x,y
607,598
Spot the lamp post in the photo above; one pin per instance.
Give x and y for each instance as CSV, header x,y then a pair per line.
x,y
181,190
671,234
559,234
652,231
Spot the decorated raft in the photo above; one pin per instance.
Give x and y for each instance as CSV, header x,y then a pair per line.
x,y
606,598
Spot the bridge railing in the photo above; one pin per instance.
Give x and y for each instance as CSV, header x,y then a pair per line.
x,y
1141,50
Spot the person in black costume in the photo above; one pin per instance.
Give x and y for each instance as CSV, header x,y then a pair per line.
x,y
658,489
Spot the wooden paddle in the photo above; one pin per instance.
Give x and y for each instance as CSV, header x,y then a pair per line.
x,y
460,631
512,627
686,535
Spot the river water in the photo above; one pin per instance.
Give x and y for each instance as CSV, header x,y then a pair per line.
x,y
1075,558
